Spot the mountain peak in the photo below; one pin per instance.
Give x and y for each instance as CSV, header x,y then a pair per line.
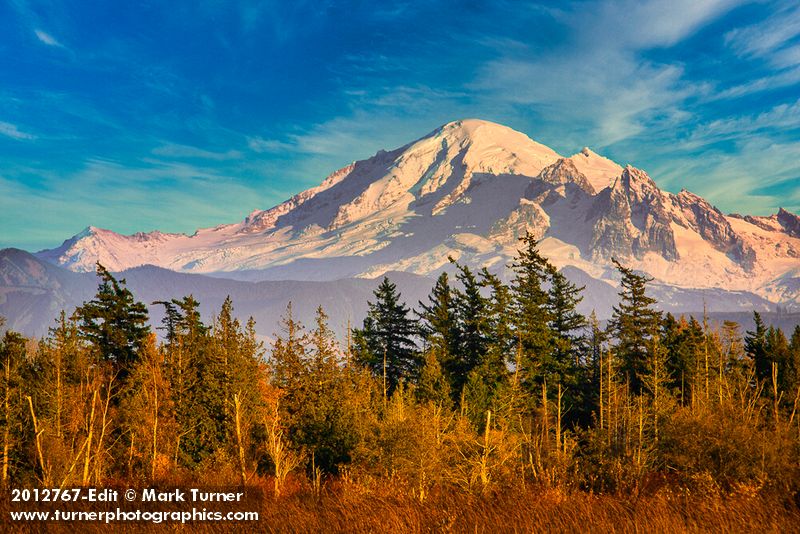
x,y
485,147
598,170
789,221
467,190
471,124
479,131
86,232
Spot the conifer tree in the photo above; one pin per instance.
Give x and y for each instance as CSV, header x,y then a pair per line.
x,y
592,371
596,340
792,373
171,322
780,354
532,315
438,325
114,323
684,342
385,342
12,362
500,338
186,351
288,355
755,346
323,424
485,381
566,324
633,323
473,326
732,346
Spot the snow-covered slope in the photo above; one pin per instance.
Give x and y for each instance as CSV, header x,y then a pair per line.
x,y
601,172
468,190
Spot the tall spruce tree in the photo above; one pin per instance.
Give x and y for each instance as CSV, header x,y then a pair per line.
x,y
566,324
684,342
793,365
187,365
438,326
500,332
633,323
385,343
596,339
114,323
755,346
780,354
471,309
532,315
13,357
488,377
289,353
323,424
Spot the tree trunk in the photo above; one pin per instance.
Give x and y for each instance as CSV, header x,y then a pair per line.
x,y
558,425
602,426
545,417
88,454
98,457
6,419
38,434
155,425
238,418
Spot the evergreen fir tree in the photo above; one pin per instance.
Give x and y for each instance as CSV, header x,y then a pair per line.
x,y
499,328
471,310
321,422
114,323
596,341
633,323
684,342
385,342
288,355
755,346
12,420
589,386
792,373
779,353
565,324
438,325
532,315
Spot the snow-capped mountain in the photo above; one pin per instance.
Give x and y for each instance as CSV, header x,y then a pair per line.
x,y
468,190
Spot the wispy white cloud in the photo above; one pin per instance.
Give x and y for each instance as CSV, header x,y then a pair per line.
x,y
772,81
156,194
763,39
646,24
191,152
46,38
773,43
261,145
783,117
11,130
757,178
599,77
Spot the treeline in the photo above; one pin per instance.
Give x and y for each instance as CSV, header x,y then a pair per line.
x,y
486,385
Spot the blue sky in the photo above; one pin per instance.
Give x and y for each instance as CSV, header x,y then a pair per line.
x,y
177,115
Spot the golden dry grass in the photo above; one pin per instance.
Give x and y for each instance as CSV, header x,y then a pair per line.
x,y
348,507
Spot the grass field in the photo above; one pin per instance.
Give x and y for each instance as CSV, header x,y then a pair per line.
x,y
341,506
